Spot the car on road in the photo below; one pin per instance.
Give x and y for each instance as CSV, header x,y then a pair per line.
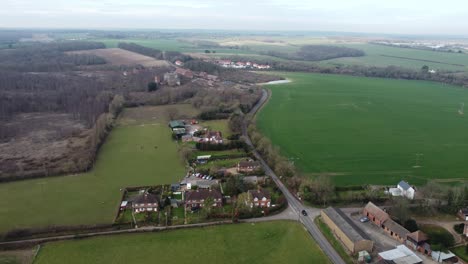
x,y
364,219
304,213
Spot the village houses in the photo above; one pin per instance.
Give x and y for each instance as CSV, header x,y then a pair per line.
x,y
248,166
145,202
196,198
259,198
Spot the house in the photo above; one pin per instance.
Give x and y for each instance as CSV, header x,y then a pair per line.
x,y
260,198
418,241
214,137
145,202
197,198
406,190
401,254
247,166
172,79
184,72
179,63
123,205
463,213
352,237
383,220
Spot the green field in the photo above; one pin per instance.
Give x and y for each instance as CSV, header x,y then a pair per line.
x,y
382,56
460,252
139,153
271,242
367,130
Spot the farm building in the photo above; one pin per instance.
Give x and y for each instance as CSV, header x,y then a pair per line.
x,y
185,73
403,189
382,219
197,198
203,159
401,254
178,128
260,198
463,214
247,166
145,202
347,232
418,241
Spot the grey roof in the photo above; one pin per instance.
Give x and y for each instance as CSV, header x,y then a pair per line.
x,y
353,232
404,185
396,228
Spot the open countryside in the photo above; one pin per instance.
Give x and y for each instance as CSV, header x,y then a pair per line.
x,y
369,131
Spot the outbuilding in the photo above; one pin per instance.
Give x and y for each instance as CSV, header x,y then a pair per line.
x,y
353,238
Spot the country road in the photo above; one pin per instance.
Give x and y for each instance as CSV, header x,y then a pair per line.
x,y
295,205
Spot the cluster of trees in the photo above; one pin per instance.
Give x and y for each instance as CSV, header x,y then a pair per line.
x,y
282,166
232,144
49,57
155,53
317,53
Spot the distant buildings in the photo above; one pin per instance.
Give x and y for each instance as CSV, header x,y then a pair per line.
x,y
172,79
248,166
242,65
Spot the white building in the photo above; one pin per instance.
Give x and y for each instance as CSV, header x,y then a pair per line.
x,y
406,190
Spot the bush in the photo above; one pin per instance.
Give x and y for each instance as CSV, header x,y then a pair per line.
x,y
459,228
152,86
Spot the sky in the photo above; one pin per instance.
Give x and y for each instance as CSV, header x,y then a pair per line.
x,y
425,17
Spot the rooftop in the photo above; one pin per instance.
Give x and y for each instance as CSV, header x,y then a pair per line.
x,y
418,236
404,185
260,193
376,211
352,231
400,255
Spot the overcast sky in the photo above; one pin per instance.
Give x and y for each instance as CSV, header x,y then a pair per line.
x,y
378,16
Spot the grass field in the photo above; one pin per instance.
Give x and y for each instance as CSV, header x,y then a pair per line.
x,y
139,151
382,56
272,242
365,130
337,245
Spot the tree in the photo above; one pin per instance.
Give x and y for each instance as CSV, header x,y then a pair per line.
x,y
152,86
243,201
411,225
400,209
207,51
425,69
185,152
172,113
207,207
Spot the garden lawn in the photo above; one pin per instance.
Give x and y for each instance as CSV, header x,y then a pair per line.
x,y
218,125
460,252
133,155
368,130
269,242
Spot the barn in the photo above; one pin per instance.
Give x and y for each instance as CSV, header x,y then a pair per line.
x,y
353,238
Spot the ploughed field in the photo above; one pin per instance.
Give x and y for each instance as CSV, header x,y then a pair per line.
x,y
369,131
269,242
138,152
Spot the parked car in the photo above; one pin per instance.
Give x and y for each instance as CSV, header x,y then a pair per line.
x,y
364,219
304,212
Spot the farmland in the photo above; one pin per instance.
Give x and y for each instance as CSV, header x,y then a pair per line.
x,y
137,152
369,131
270,242
116,56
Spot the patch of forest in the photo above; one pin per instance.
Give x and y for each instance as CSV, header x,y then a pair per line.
x,y
317,53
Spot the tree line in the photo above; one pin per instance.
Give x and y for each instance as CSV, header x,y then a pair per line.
x,y
317,53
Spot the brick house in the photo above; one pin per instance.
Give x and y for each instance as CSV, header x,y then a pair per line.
x,y
247,166
260,198
197,198
214,137
145,202
185,73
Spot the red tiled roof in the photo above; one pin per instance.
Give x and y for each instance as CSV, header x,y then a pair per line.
x,y
376,211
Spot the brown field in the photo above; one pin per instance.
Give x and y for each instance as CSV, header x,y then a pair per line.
x,y
43,144
116,56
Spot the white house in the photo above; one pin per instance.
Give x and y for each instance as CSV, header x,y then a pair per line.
x,y
406,190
